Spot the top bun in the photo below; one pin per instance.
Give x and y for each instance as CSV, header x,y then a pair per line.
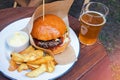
x,y
51,28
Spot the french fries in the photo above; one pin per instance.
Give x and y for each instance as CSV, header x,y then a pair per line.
x,y
13,66
17,57
22,67
42,60
32,66
50,66
36,54
32,59
28,50
37,71
28,56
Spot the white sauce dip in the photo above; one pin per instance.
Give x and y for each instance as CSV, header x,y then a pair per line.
x,y
18,39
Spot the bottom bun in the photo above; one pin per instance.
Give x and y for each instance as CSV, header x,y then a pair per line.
x,y
60,48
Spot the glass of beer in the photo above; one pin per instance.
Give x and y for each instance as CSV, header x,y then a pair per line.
x,y
92,19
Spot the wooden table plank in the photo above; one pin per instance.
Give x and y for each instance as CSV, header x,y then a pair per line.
x,y
89,57
9,15
102,71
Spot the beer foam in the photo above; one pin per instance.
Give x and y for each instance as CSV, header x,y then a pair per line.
x,y
100,15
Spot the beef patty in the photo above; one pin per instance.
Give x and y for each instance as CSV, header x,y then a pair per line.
x,y
48,44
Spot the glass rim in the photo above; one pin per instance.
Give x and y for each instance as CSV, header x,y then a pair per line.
x,y
105,7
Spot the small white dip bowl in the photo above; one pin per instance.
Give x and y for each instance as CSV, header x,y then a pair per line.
x,y
18,41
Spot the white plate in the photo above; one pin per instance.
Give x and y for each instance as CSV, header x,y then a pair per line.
x,y
5,54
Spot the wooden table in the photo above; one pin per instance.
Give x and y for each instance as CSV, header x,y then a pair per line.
x,y
92,64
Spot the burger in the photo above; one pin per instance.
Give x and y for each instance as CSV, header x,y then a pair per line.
x,y
50,34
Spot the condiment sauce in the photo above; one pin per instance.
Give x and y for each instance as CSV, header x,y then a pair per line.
x,y
18,39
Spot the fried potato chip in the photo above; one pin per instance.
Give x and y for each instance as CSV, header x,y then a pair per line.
x,y
42,60
55,62
27,50
27,57
33,66
19,63
37,72
22,67
50,66
17,57
33,55
13,66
